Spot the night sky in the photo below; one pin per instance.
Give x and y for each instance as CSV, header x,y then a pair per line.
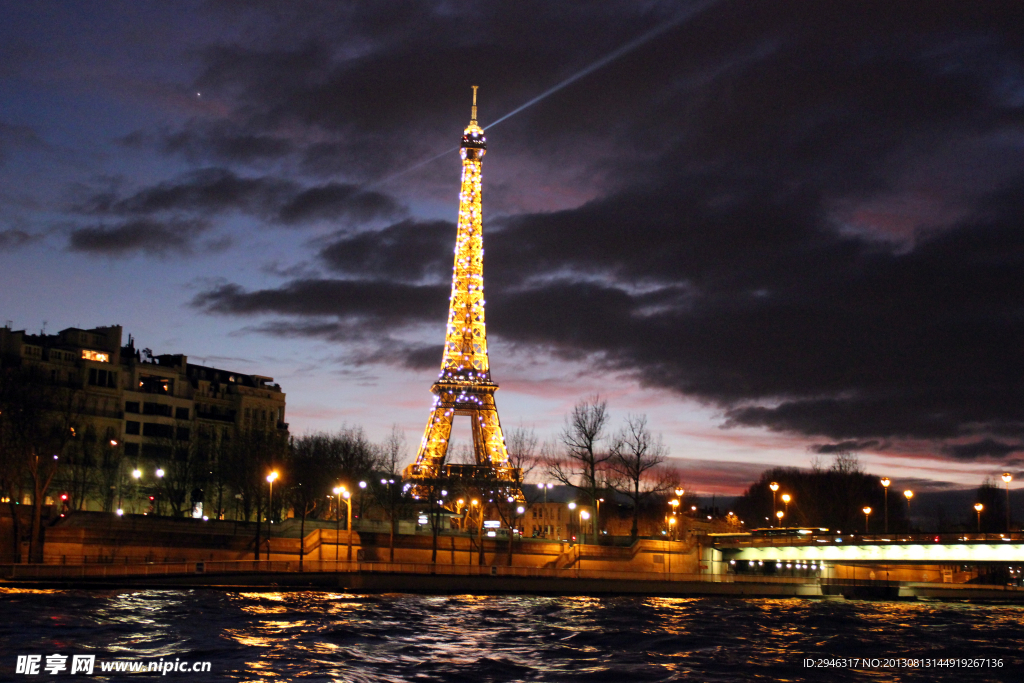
x,y
779,229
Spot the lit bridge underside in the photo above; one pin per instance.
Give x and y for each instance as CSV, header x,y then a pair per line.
x,y
947,550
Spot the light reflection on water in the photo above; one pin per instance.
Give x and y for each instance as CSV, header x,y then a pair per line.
x,y
324,636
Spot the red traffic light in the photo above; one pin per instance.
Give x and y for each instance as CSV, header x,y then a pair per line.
x,y
151,498
63,496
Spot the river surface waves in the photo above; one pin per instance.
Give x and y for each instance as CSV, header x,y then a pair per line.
x,y
323,636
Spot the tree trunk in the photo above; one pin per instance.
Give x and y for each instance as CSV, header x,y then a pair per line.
x,y
15,528
392,544
302,538
259,506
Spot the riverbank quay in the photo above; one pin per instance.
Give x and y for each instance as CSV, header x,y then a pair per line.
x,y
372,577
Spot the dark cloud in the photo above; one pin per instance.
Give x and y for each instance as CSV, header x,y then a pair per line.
x,y
809,218
225,143
12,239
986,448
17,137
846,446
218,190
152,237
409,251
377,302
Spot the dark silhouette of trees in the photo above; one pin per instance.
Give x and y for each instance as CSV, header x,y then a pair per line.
x,y
581,462
831,498
637,466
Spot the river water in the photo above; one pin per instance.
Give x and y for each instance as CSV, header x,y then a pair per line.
x,y
323,636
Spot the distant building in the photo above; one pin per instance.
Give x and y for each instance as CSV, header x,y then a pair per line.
x,y
153,408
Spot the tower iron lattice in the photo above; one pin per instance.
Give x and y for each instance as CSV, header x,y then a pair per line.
x,y
464,385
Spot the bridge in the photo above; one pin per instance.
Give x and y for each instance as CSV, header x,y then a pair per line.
x,y
941,549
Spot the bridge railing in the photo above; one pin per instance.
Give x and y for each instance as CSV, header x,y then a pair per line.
x,y
93,571
868,539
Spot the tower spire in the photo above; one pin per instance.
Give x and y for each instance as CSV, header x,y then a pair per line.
x,y
464,385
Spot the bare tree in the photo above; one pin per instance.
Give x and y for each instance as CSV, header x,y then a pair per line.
x,y
388,491
521,444
637,456
581,463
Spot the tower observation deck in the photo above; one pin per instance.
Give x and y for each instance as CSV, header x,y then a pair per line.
x,y
464,386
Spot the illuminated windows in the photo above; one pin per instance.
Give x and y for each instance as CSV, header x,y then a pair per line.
x,y
98,356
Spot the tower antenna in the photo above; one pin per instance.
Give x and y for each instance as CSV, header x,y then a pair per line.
x,y
473,115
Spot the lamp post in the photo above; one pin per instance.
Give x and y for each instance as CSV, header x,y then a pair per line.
x,y
337,522
779,514
270,506
572,507
885,488
978,507
584,515
348,509
774,487
867,513
1007,478
785,499
474,504
908,494
136,475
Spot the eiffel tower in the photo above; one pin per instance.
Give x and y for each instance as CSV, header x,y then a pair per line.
x,y
464,385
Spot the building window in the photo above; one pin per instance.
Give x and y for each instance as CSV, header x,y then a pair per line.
x,y
95,356
151,384
131,406
156,409
157,430
183,434
181,413
131,427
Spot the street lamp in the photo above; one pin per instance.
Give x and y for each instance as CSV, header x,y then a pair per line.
x,y
908,494
774,487
867,512
479,532
1007,478
785,499
779,514
584,515
348,522
270,500
885,487
978,507
337,522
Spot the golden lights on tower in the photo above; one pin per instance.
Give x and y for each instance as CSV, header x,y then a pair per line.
x,y
464,385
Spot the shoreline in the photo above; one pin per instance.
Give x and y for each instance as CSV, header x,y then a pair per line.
x,y
440,584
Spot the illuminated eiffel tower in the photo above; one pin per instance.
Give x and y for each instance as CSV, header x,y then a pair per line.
x,y
464,386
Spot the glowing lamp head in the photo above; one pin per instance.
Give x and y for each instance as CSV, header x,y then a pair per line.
x,y
362,484
886,481
786,497
346,495
909,494
867,511
159,473
337,490
272,477
978,507
572,506
584,514
1007,477
136,473
680,492
780,514
773,486
520,510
